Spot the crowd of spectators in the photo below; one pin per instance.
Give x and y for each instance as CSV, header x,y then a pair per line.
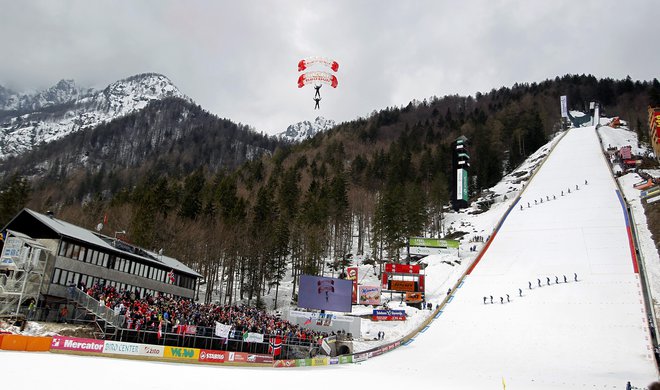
x,y
151,312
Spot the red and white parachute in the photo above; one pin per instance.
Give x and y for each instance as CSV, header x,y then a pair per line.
x,y
317,77
311,61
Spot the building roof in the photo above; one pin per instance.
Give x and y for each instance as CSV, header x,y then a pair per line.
x,y
69,230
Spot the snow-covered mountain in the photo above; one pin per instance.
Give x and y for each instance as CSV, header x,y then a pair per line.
x,y
30,119
303,130
63,92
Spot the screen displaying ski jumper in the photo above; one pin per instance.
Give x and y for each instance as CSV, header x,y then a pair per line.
x,y
322,293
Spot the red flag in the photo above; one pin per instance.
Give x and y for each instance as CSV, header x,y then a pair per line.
x,y
308,321
275,345
160,329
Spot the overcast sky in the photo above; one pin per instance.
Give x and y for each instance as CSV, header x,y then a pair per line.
x,y
238,59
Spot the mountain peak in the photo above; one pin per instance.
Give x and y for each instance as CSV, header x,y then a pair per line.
x,y
301,131
71,108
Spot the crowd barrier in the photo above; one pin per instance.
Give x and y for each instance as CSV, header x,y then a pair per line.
x,y
120,349
16,342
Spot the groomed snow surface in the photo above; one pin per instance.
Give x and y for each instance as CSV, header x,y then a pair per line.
x,y
589,334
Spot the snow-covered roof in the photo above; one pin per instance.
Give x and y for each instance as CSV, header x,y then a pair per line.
x,y
70,230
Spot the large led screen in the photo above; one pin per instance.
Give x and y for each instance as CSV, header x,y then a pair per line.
x,y
316,292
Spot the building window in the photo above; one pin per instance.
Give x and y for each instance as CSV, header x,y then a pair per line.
x,y
76,252
63,248
69,250
81,255
56,275
63,276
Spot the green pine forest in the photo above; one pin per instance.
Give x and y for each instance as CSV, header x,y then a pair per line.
x,y
307,208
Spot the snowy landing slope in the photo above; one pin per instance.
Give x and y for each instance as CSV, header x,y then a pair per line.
x,y
590,333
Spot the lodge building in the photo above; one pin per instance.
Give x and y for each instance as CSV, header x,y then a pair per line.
x,y
51,255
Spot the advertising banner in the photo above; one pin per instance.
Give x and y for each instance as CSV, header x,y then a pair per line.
x,y
655,124
285,363
459,184
388,315
320,361
254,358
564,106
181,353
222,330
414,297
210,356
402,285
304,362
465,184
121,348
325,293
433,242
384,285
353,277
152,350
11,253
402,268
236,357
369,295
426,251
63,343
324,319
345,359
421,282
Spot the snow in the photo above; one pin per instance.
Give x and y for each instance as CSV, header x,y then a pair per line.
x,y
90,109
301,131
592,333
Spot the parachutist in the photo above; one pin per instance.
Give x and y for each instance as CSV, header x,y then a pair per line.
x,y
318,92
316,106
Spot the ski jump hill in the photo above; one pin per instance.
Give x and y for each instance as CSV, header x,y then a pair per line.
x,y
589,333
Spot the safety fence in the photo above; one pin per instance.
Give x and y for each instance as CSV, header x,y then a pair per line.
x,y
119,349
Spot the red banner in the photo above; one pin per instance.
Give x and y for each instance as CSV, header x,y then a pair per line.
x,y
353,275
403,268
210,356
77,344
421,283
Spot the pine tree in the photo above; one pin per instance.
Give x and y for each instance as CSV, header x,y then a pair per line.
x,y
13,197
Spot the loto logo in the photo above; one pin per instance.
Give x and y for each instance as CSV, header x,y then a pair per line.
x,y
252,358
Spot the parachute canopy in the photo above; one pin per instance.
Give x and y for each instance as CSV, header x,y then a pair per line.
x,y
307,62
317,77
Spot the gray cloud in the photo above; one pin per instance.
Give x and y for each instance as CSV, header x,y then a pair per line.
x,y
238,59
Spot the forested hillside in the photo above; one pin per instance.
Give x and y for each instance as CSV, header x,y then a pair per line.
x,y
367,183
